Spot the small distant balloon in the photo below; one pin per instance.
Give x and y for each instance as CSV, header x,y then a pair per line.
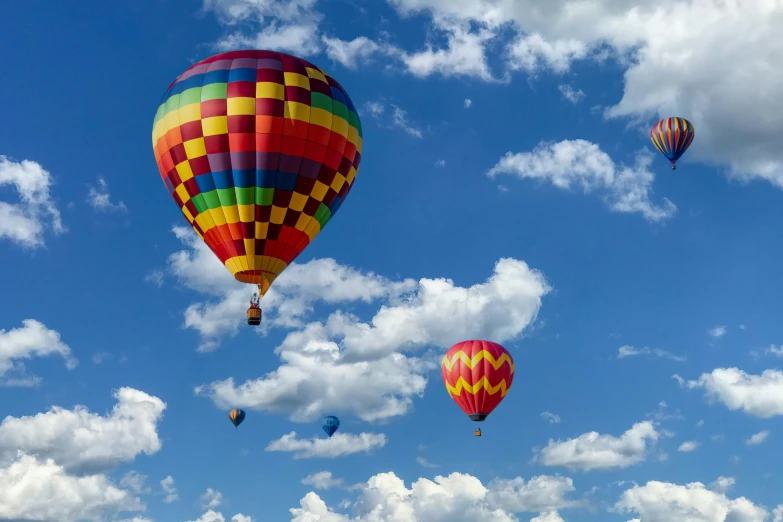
x,y
236,416
672,137
330,425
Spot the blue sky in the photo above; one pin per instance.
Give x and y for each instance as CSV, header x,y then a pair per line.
x,y
508,191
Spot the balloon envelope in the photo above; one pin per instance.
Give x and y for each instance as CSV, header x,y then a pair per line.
x,y
330,424
477,375
672,137
236,416
259,150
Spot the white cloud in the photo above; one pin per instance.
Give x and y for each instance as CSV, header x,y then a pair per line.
x,y
722,484
374,109
625,189
630,351
571,94
322,480
344,364
338,445
663,502
757,438
81,441
468,102
40,490
596,451
421,461
135,482
354,53
100,199
688,446
168,488
550,516
211,498
776,351
717,332
551,418
757,395
33,339
440,163
210,516
457,497
777,514
400,119
25,221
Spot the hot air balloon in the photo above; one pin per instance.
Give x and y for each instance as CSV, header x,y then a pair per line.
x,y
258,149
477,375
236,416
330,425
672,137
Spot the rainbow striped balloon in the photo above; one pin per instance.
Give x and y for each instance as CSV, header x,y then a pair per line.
x,y
259,149
672,137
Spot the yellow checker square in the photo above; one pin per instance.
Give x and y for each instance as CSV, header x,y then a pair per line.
x,y
313,229
272,90
351,175
298,201
232,265
241,106
170,121
183,193
217,216
195,148
353,135
278,215
184,171
232,214
302,222
278,266
316,74
247,213
319,191
190,112
158,131
250,252
338,182
297,111
293,79
214,126
321,117
340,126
243,263
261,230
204,221
188,215
359,143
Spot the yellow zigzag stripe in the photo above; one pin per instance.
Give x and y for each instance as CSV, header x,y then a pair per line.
x,y
470,363
483,383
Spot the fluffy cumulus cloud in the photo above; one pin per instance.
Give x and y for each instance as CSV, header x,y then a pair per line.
x,y
99,198
33,339
454,498
83,442
214,516
597,451
579,163
346,364
322,480
169,490
26,220
663,502
757,395
338,445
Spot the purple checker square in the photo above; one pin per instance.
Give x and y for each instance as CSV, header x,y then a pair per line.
x,y
268,63
309,168
245,63
219,162
219,65
267,160
289,164
243,160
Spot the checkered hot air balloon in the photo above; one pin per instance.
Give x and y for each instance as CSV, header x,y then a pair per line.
x,y
672,137
258,149
477,375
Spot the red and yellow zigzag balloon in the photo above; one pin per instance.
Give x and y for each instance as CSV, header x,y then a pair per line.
x,y
477,375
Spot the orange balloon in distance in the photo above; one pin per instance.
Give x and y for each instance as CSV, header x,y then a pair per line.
x,y
477,375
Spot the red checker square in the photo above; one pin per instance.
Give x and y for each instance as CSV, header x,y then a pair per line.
x,y
200,165
293,146
259,246
166,162
270,107
178,154
297,94
241,90
192,208
337,142
350,151
263,213
268,142
319,134
270,246
249,230
293,64
315,151
273,232
304,185
217,144
291,218
344,190
173,176
270,76
330,195
332,159
213,108
269,125
311,207
326,175
239,246
191,130
242,123
177,199
191,186
345,166
242,142
281,198
295,128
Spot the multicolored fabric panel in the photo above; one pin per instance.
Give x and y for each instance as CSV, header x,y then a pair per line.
x,y
477,375
672,137
259,149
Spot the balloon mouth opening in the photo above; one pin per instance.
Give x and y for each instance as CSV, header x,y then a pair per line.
x,y
478,417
